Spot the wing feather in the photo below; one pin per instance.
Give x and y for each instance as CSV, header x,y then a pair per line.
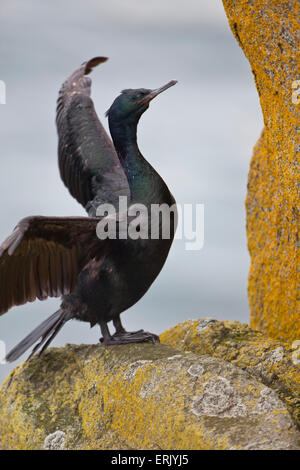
x,y
43,257
88,162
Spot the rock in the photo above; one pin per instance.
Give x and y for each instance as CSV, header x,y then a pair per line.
x,y
55,441
268,33
139,396
273,363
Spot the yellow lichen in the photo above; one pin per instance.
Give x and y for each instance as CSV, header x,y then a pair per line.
x,y
99,406
265,358
268,33
141,396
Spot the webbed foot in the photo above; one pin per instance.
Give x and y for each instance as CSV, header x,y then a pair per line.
x,y
127,337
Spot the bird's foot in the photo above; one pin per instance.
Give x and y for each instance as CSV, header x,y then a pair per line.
x,y
124,332
126,337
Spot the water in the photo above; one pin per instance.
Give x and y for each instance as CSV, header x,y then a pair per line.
x,y
199,136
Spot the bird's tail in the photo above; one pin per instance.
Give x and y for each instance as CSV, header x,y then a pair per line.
x,y
46,332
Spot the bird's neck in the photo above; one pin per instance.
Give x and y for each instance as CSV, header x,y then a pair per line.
x,y
124,136
145,183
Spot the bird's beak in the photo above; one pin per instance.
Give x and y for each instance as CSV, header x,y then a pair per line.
x,y
156,92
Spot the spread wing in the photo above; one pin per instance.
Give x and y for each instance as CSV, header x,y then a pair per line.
x,y
43,257
88,162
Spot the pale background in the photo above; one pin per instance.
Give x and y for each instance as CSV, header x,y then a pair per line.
x,y
199,136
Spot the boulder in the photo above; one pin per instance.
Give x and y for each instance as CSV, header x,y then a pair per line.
x,y
268,33
139,396
271,362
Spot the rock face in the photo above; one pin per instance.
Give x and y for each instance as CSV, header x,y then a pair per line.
x,y
275,364
268,33
140,396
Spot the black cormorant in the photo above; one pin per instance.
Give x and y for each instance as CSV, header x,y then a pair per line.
x,y
63,256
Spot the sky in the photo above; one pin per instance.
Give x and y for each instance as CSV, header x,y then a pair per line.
x,y
198,135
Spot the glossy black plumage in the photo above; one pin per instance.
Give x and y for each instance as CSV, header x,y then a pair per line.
x,y
88,162
62,256
43,257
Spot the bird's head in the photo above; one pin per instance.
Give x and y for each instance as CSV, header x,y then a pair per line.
x,y
131,104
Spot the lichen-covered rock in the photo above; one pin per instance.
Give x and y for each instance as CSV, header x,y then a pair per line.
x,y
275,364
141,396
268,33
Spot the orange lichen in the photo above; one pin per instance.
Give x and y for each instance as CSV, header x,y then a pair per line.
x,y
268,33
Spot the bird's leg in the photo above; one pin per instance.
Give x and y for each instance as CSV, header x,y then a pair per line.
x,y
106,336
120,330
122,336
118,325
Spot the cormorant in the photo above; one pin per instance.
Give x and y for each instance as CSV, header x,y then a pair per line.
x,y
62,256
